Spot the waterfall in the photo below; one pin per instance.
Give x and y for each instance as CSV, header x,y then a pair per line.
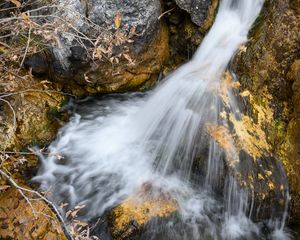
x,y
111,147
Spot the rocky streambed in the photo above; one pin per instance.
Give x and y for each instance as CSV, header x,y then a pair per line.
x,y
124,46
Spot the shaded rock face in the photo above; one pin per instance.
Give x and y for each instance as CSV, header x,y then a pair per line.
x,y
199,10
268,74
141,14
18,221
113,46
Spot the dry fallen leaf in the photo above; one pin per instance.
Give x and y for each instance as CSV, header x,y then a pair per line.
x,y
4,187
25,17
16,2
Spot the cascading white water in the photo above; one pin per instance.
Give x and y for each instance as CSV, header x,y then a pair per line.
x,y
117,146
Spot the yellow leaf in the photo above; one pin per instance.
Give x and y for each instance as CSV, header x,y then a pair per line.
x,y
118,19
2,50
16,2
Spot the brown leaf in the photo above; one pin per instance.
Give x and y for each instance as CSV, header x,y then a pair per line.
x,y
25,17
16,2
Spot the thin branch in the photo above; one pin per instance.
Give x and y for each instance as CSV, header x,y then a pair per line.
x,y
35,90
5,45
13,183
27,46
13,111
164,13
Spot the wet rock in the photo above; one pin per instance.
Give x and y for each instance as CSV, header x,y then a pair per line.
x,y
18,222
201,11
248,155
263,66
130,217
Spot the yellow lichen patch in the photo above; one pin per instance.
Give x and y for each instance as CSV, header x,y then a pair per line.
x,y
271,186
251,137
245,93
17,220
146,204
261,177
223,137
29,111
268,173
227,83
247,135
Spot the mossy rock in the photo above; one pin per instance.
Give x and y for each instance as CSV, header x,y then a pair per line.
x,y
264,69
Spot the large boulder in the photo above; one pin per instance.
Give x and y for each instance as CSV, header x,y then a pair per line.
x,y
268,76
104,46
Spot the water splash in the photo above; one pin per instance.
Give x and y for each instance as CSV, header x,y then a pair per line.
x,y
114,146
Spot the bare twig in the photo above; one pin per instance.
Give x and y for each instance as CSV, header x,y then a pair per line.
x,y
164,13
5,45
27,46
4,95
13,111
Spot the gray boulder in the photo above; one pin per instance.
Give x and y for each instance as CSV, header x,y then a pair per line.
x,y
132,41
143,15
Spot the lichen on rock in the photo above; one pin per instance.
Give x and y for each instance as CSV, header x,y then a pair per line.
x,y
132,215
262,68
29,116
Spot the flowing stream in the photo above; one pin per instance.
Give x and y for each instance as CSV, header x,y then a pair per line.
x,y
113,146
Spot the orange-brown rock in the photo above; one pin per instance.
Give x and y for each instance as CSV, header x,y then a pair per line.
x,y
124,76
131,216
